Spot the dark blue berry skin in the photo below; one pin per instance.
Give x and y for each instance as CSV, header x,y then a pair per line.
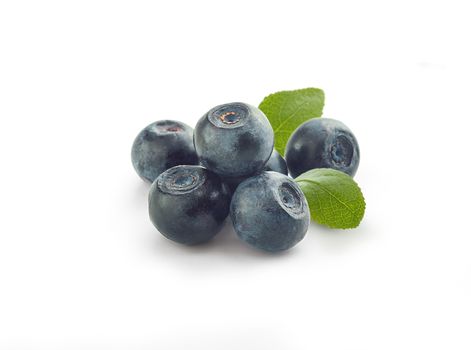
x,y
322,143
234,182
234,140
276,163
270,212
188,204
160,146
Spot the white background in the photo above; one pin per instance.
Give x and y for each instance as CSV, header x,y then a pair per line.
x,y
81,266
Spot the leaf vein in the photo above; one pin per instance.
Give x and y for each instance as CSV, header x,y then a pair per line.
x,y
291,116
352,210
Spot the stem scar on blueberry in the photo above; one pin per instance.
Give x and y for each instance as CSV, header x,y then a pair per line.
x,y
229,118
184,180
290,198
174,129
168,128
181,179
342,151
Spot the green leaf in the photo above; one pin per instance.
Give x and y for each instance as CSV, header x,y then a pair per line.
x,y
286,110
334,198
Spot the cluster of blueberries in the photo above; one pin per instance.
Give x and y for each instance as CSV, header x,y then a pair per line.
x,y
227,166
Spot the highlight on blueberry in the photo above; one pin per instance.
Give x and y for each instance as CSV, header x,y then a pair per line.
x,y
160,146
269,212
234,140
188,204
322,143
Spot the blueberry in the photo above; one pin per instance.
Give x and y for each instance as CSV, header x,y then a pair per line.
x,y
233,182
322,143
188,204
234,140
160,146
276,163
270,212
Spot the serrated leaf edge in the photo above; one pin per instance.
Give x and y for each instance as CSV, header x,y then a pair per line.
x,y
354,212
